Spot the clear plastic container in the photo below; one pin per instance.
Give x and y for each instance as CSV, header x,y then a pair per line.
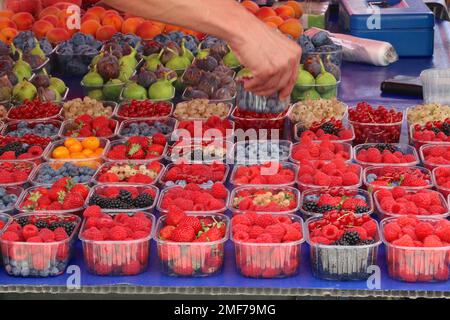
x,y
108,165
117,258
57,116
286,165
228,105
57,165
445,191
315,91
339,263
39,259
419,143
71,125
105,104
31,165
314,195
68,64
140,189
104,143
427,163
110,92
403,148
122,118
123,141
203,152
377,132
376,169
168,99
269,260
17,191
416,264
273,189
183,134
435,84
310,111
192,259
347,148
251,102
300,125
12,126
164,183
239,154
385,214
170,122
165,211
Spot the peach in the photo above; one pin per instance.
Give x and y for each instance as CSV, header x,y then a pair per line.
x,y
285,17
147,30
90,16
54,20
7,35
265,12
49,11
41,27
298,9
275,20
57,35
130,25
105,33
6,14
90,27
292,27
23,20
7,23
160,25
286,11
114,20
109,12
47,3
98,11
250,6
128,15
64,5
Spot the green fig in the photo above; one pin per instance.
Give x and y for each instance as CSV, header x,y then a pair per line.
x,y
125,74
230,60
49,94
161,90
37,51
129,61
311,94
244,73
96,94
186,52
21,68
178,63
24,90
202,54
96,59
92,79
134,91
305,80
112,89
58,84
153,61
332,93
325,81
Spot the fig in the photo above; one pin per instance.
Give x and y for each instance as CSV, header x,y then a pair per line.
x,y
24,90
304,80
313,65
112,89
129,60
325,81
92,79
207,64
34,61
186,52
5,88
192,76
146,78
203,54
37,51
219,49
191,93
163,72
209,83
153,61
12,78
6,64
172,49
117,54
41,81
225,70
333,69
311,94
96,94
230,60
152,47
58,84
161,90
108,67
178,63
223,93
4,49
21,68
49,94
134,91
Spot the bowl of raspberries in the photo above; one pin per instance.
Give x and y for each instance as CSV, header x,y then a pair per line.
x,y
385,154
269,173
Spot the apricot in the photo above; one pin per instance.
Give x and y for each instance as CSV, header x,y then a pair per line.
x,y
292,27
285,17
7,23
90,27
112,20
57,35
128,15
130,25
6,14
98,11
160,25
105,33
41,27
64,5
90,16
265,12
23,20
47,3
275,20
171,27
110,11
52,19
147,30
271,25
286,11
250,6
49,11
7,35
298,9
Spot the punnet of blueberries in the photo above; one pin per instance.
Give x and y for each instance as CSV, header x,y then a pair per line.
x,y
145,129
40,129
48,175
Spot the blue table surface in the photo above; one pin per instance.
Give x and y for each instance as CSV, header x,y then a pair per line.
x,y
359,82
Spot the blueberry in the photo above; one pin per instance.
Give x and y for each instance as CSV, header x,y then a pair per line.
x,y
371,177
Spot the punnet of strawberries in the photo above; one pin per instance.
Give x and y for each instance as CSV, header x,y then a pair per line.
x,y
87,126
392,176
195,173
35,109
64,194
138,148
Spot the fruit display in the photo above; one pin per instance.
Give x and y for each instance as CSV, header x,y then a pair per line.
x,y
375,125
116,244
260,151
129,172
264,199
138,148
29,147
191,245
64,195
436,132
401,202
212,128
31,44
427,113
441,180
310,111
123,197
331,129
77,107
267,245
417,249
319,202
45,128
143,109
138,87
326,150
204,175
49,173
86,126
200,152
146,128
41,87
192,198
201,109
73,149
269,173
35,110
15,173
14,70
270,125
24,252
378,154
342,245
335,173
394,176
433,156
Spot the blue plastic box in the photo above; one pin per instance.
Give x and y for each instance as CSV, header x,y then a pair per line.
x,y
408,24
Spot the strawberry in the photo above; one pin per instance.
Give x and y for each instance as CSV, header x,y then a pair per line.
x,y
136,152
73,201
8,155
174,216
140,140
81,189
62,183
100,122
159,138
84,119
155,150
35,151
166,232
103,132
192,221
55,206
55,193
183,233
84,133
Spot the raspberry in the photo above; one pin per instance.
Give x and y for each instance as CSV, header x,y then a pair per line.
x,y
184,204
92,211
350,178
118,233
140,234
264,238
442,230
330,232
48,236
254,231
10,236
241,219
131,268
183,233
174,216
34,239
93,234
277,231
432,241
398,192
404,241
391,231
30,231
371,228
192,221
219,191
423,230
265,220
241,236
216,204
292,234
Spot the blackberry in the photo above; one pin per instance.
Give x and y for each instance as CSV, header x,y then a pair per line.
x,y
54,225
41,224
311,206
22,221
361,209
446,128
329,128
113,204
300,130
341,242
96,200
436,130
125,196
325,208
68,226
143,200
17,147
385,146
351,237
366,242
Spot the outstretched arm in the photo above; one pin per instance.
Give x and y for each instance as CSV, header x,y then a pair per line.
x,y
271,56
